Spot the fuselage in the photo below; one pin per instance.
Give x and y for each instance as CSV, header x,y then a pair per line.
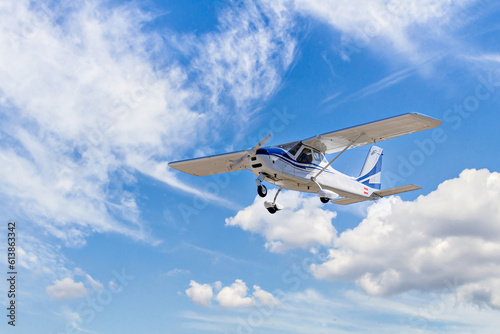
x,y
295,167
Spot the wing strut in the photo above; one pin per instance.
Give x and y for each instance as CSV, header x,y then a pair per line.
x,y
338,155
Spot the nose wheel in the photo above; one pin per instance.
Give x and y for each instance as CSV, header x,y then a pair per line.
x,y
262,190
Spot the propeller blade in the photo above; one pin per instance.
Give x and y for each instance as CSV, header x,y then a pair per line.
x,y
259,145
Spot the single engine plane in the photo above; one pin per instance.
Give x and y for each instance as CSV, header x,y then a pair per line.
x,y
302,165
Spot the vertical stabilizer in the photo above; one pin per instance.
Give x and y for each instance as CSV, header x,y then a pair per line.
x,y
370,173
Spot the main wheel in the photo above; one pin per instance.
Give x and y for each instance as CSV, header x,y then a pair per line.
x,y
324,199
262,190
271,210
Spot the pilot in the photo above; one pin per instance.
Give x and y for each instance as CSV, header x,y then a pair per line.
x,y
305,157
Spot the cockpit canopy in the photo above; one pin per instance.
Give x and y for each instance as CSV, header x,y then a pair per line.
x,y
302,153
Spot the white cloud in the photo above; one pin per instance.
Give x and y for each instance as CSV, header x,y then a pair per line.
x,y
176,272
84,107
312,311
399,22
200,294
483,292
66,288
244,60
94,284
450,235
302,223
234,295
73,319
41,258
264,297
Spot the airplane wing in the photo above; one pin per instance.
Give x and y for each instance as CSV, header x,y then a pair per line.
x,y
213,164
373,132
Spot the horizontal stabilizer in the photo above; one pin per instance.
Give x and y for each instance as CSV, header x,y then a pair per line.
x,y
397,190
347,200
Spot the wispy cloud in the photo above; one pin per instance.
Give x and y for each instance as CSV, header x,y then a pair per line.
x,y
84,106
374,88
399,26
244,60
384,83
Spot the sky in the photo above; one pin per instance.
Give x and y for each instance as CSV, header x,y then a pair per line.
x,y
96,97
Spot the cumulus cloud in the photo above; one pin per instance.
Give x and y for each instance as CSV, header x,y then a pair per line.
x,y
450,235
264,297
312,311
302,223
66,288
234,295
484,292
200,294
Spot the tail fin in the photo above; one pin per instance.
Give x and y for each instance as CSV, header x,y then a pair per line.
x,y
370,173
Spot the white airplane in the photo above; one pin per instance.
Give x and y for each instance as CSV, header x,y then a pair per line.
x,y
302,166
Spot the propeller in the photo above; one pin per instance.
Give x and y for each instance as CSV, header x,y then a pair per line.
x,y
262,142
248,153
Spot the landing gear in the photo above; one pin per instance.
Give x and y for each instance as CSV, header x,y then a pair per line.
x,y
271,210
326,195
262,190
272,207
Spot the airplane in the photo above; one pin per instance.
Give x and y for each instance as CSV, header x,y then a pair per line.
x,y
302,165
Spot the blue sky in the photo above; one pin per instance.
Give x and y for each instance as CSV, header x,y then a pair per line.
x,y
96,98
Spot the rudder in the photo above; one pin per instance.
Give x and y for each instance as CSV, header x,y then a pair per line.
x,y
372,168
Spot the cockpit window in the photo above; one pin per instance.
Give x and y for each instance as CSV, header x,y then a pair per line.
x,y
305,156
294,149
317,157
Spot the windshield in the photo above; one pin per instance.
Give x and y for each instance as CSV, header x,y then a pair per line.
x,y
288,146
294,149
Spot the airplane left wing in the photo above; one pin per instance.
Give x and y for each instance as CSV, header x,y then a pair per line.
x,y
213,164
371,133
